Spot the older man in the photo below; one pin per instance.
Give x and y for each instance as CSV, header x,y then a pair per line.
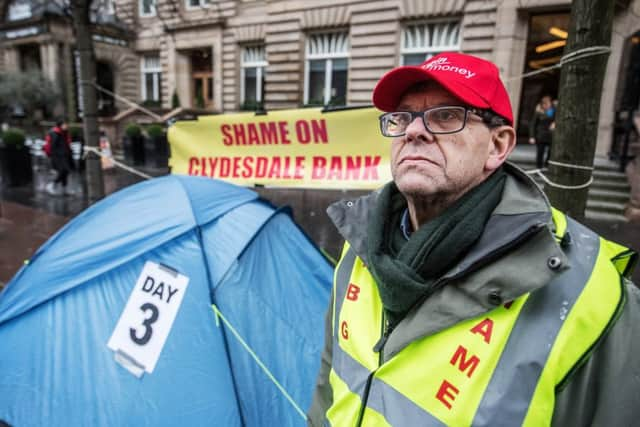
x,y
462,297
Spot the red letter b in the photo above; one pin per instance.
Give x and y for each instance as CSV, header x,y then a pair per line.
x,y
352,292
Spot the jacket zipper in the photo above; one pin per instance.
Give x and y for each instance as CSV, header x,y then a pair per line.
x,y
385,330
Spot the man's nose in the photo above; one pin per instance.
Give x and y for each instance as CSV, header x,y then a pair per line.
x,y
417,132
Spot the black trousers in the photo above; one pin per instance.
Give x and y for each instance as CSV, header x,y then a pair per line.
x,y
542,154
61,177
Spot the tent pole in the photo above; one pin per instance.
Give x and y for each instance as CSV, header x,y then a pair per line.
x,y
224,333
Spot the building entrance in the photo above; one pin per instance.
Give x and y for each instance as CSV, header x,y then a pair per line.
x,y
202,78
545,45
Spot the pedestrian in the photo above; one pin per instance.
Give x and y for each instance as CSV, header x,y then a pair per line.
x,y
58,148
541,128
461,296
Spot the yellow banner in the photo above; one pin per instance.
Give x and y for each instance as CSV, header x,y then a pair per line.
x,y
303,148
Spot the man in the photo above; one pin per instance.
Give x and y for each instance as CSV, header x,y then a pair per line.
x,y
58,148
462,297
541,128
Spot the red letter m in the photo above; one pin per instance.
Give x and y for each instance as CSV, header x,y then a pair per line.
x,y
471,364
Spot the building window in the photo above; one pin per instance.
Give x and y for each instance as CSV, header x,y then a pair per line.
x,y
151,78
147,8
252,73
326,65
192,4
19,9
422,41
104,7
102,12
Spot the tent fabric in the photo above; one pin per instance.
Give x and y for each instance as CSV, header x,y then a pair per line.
x,y
251,260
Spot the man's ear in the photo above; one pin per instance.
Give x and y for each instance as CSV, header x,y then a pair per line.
x,y
503,141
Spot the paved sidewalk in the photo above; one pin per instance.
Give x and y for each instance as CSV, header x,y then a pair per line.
x,y
29,215
23,230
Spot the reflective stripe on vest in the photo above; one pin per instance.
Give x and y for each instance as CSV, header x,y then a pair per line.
x,y
521,386
343,274
534,335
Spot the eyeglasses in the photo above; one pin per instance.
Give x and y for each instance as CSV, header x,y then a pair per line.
x,y
439,120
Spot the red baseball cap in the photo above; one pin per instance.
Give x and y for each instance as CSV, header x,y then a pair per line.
x,y
475,81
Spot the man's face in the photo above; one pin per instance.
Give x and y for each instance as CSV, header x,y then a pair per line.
x,y
446,166
545,102
64,126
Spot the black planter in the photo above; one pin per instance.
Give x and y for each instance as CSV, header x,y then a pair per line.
x,y
15,165
137,150
161,150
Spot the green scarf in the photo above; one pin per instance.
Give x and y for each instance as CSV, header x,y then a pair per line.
x,y
406,270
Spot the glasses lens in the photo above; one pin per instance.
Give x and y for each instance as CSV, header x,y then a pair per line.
x,y
445,119
394,124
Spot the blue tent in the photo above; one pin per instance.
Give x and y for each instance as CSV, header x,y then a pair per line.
x,y
230,333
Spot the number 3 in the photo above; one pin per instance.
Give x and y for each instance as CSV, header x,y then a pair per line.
x,y
148,331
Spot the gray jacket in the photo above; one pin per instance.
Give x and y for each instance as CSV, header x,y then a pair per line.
x,y
605,390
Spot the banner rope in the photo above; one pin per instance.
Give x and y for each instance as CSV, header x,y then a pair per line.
x,y
97,151
555,184
570,166
258,361
123,99
566,59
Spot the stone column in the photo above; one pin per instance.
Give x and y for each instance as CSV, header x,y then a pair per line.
x,y
49,60
216,55
632,210
11,59
509,50
608,99
183,78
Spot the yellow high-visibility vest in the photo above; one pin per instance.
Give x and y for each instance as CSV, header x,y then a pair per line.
x,y
500,368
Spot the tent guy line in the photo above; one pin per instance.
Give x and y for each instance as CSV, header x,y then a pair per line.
x,y
255,357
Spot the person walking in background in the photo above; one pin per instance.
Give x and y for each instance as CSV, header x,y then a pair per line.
x,y
541,128
58,148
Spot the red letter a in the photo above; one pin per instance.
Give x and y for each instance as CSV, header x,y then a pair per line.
x,y
484,328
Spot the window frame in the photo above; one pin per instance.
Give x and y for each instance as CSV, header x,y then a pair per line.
x,y
201,4
156,73
328,57
260,65
17,10
430,50
141,13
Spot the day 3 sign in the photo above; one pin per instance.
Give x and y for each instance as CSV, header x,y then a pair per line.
x,y
146,321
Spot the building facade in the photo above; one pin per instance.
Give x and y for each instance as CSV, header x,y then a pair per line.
x,y
231,55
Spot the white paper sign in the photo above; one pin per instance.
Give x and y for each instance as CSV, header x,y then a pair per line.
x,y
146,321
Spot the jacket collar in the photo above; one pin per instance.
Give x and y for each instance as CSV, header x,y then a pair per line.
x,y
497,269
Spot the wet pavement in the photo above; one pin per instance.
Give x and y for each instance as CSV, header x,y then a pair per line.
x,y
29,215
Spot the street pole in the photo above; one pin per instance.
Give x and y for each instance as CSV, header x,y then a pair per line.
x,y
576,132
84,44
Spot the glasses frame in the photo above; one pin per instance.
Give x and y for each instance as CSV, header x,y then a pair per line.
x,y
423,115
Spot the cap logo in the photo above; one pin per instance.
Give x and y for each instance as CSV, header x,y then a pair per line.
x,y
442,64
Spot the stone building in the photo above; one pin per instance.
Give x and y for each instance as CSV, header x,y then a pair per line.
x,y
231,55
